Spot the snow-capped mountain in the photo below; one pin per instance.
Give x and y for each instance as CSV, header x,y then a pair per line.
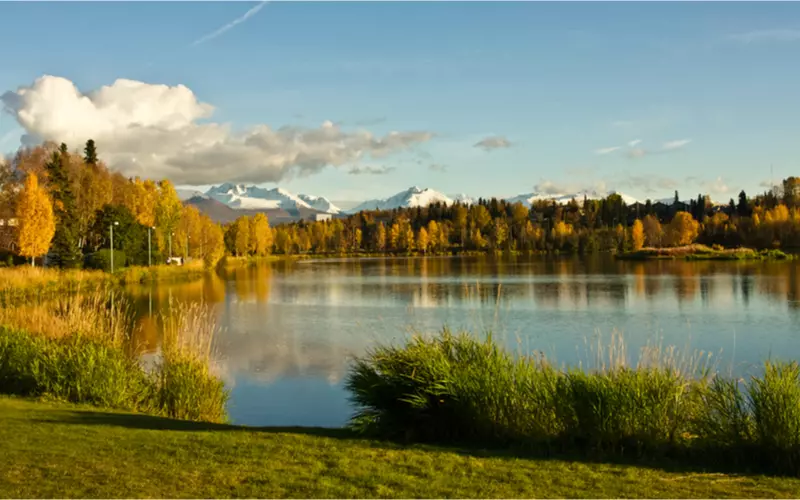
x,y
239,196
188,194
320,203
410,198
530,198
464,199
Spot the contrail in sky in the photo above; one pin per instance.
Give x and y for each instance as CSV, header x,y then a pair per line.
x,y
214,34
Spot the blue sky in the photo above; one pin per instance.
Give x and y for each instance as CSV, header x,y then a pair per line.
x,y
558,81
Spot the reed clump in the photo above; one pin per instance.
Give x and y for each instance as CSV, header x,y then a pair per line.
x,y
79,349
453,388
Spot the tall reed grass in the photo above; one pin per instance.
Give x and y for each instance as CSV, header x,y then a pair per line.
x,y
79,348
454,388
24,282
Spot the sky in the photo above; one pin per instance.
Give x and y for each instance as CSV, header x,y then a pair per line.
x,y
361,100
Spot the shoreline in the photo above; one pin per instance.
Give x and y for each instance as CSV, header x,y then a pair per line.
x,y
702,252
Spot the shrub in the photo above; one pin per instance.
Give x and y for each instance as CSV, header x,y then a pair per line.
x,y
75,368
775,401
77,349
102,260
453,388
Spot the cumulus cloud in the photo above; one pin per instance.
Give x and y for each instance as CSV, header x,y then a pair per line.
x,y
716,186
214,34
648,183
493,142
605,151
438,167
370,170
163,132
773,35
550,188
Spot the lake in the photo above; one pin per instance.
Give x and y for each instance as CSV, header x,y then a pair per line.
x,y
288,329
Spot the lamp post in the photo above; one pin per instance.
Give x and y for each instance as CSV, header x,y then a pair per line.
x,y
111,229
149,253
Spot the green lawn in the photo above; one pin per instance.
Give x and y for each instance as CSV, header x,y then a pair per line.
x,y
56,450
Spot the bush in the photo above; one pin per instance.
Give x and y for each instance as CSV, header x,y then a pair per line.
x,y
73,368
80,369
102,260
455,389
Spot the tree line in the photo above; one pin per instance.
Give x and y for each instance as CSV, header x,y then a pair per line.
x,y
65,204
769,220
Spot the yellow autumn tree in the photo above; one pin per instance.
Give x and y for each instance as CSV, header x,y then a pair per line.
x,y
653,233
637,235
36,221
167,214
380,237
212,242
261,235
242,241
683,229
422,240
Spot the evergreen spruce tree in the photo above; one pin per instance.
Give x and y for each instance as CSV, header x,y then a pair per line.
x,y
90,153
64,250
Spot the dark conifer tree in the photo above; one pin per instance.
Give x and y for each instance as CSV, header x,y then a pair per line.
x,y
64,250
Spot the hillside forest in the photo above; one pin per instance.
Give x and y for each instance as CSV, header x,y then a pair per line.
x,y
62,204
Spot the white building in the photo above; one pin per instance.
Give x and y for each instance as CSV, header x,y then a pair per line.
x,y
320,217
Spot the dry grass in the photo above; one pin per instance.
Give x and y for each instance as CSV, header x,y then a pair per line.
x,y
16,279
188,331
102,314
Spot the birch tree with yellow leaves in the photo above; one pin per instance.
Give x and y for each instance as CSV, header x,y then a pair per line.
x,y
37,223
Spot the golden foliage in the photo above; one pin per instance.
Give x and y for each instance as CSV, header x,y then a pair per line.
x,y
637,235
36,220
683,229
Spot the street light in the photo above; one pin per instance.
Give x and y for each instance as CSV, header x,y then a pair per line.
x,y
149,253
111,229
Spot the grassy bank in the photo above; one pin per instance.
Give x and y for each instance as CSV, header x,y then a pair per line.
x,y
702,252
64,451
456,389
79,349
23,281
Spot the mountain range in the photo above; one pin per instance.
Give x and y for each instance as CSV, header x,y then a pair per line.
x,y
227,201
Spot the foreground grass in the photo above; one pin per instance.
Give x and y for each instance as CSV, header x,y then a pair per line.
x,y
62,451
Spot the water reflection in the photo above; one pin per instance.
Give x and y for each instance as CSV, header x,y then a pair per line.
x,y
289,328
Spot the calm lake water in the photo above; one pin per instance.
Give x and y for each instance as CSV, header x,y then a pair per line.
x,y
289,329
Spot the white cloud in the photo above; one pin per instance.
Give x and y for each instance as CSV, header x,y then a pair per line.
x,y
493,142
648,183
156,131
717,186
605,151
672,145
370,170
550,188
634,143
773,35
214,34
